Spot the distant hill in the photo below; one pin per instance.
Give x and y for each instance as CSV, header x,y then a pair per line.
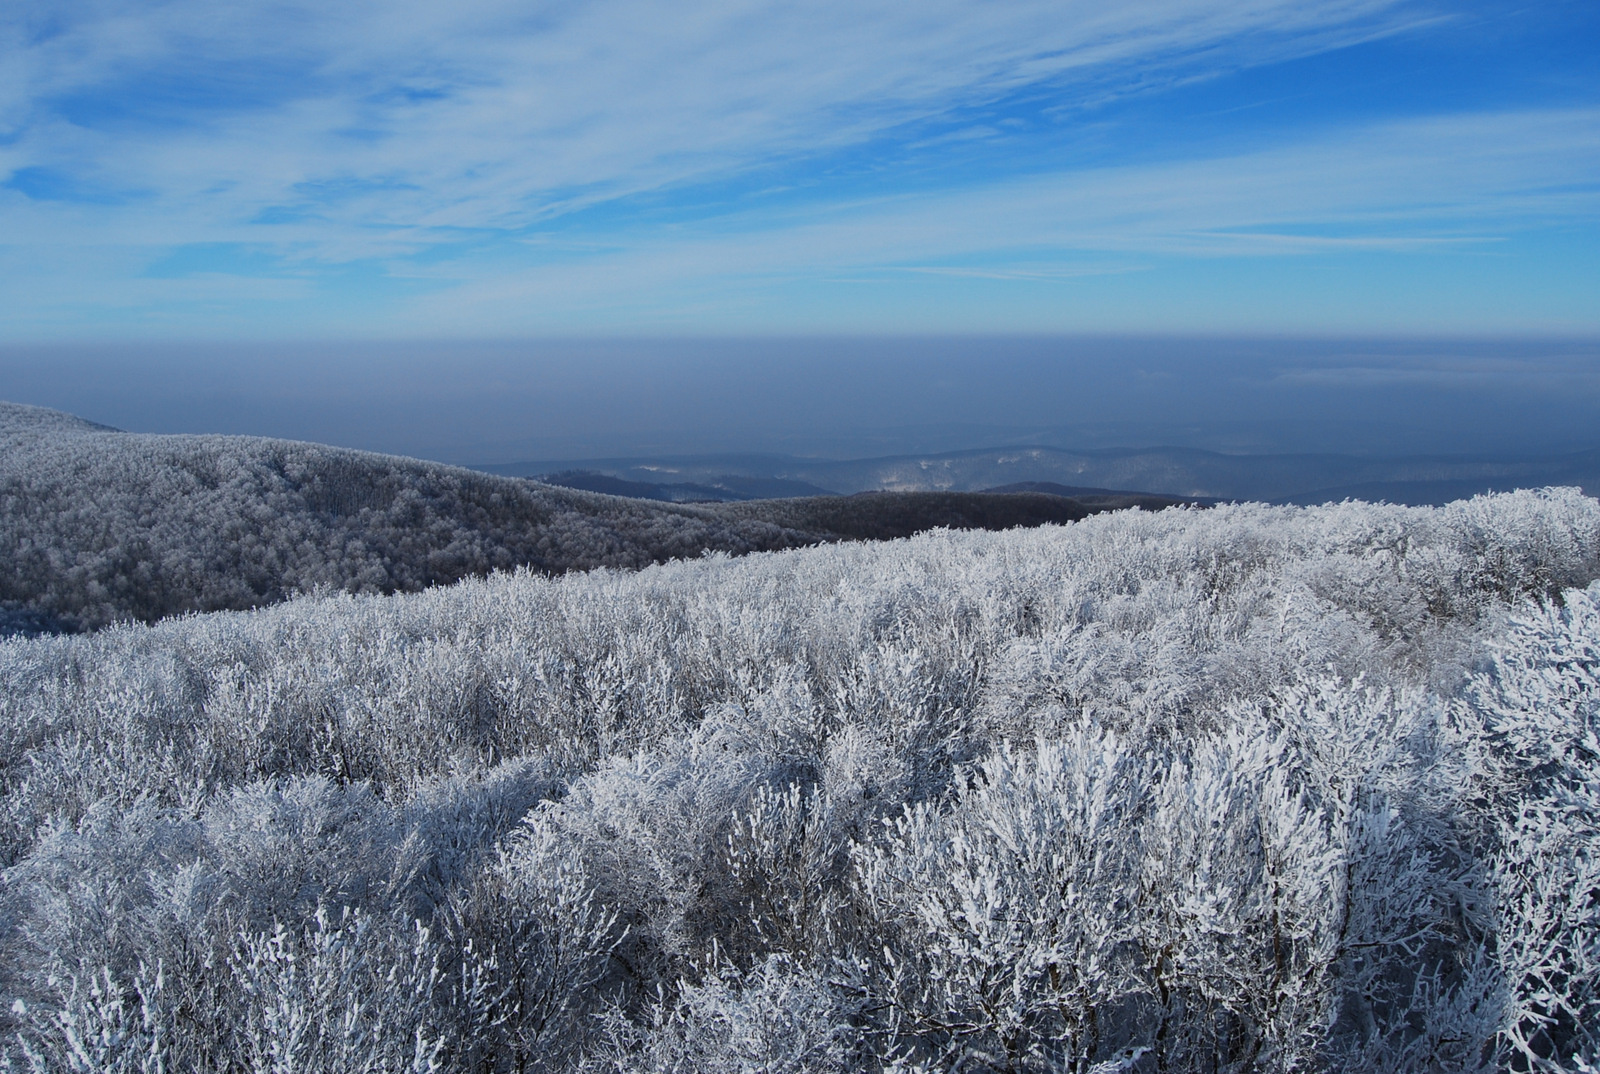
x,y
102,525
1175,472
1105,499
731,489
724,489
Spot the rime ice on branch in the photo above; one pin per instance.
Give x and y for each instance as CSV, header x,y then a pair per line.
x,y
1246,789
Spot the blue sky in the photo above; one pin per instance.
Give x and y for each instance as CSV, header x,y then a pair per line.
x,y
412,169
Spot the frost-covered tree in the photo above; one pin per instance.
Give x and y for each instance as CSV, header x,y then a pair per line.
x,y
102,525
1243,789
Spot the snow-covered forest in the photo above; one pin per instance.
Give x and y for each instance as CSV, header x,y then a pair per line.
x,y
1242,789
105,525
102,525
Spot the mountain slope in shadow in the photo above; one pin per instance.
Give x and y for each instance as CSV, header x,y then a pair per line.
x,y
104,525
1183,473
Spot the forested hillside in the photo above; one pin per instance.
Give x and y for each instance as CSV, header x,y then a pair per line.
x,y
882,516
101,525
1242,789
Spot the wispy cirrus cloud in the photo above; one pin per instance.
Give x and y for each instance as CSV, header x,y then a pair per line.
x,y
487,166
418,116
1412,186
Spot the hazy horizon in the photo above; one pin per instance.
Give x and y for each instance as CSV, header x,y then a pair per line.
x,y
839,397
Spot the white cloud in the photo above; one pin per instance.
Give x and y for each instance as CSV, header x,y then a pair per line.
x,y
380,131
482,115
1403,186
1416,185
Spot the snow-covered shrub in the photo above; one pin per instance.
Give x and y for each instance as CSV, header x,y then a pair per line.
x,y
1243,789
96,1025
340,993
775,1018
1541,705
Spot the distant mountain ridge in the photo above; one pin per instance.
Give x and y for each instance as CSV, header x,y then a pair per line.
x,y
725,489
1166,471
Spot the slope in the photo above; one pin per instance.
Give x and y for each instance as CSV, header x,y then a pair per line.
x,y
105,525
